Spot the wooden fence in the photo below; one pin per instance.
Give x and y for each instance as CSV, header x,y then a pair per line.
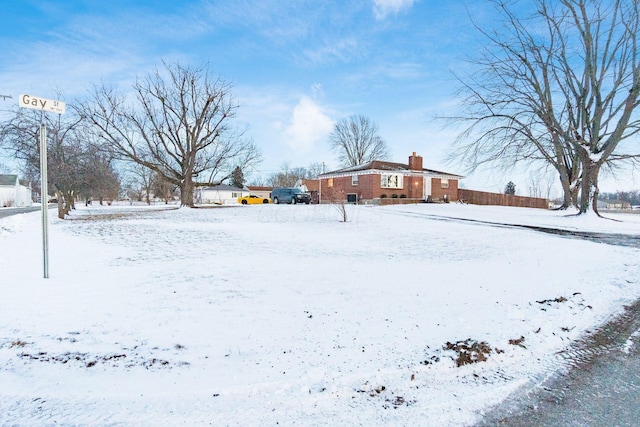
x,y
483,198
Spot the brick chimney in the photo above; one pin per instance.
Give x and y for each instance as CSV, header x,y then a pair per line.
x,y
415,162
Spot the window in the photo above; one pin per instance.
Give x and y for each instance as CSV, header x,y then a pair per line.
x,y
234,195
330,182
354,180
391,181
444,183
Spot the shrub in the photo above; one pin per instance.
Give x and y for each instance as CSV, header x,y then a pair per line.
x,y
394,196
403,196
383,196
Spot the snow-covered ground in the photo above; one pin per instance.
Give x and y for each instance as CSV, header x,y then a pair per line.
x,y
283,315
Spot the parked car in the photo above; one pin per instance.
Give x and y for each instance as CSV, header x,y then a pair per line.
x,y
253,200
290,195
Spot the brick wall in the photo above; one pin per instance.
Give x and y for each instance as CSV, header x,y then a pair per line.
x,y
439,193
368,188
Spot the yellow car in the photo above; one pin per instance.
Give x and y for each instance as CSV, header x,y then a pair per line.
x,y
253,200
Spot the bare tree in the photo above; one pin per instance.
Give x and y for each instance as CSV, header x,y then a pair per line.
x,y
66,152
337,199
315,169
355,140
162,188
560,87
139,182
540,185
99,181
289,177
179,126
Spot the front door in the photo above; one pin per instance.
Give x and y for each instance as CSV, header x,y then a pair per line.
x,y
426,187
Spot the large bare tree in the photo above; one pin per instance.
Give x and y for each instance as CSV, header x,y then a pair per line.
x,y
355,140
560,86
179,124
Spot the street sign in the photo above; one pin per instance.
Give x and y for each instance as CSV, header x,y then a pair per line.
x,y
52,106
37,103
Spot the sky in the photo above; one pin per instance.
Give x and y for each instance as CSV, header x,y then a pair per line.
x,y
219,317
296,67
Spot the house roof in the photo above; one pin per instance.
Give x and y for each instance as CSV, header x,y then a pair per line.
x,y
259,188
224,187
387,166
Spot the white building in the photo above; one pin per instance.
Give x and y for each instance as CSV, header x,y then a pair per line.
x,y
14,192
219,195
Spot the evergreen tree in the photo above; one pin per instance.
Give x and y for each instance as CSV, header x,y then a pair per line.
x,y
237,177
510,188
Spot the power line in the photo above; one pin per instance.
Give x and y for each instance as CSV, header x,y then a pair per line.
x,y
6,96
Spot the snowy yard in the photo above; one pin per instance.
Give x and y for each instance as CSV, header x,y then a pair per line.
x,y
265,315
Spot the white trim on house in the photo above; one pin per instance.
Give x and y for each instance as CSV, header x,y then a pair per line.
x,y
404,172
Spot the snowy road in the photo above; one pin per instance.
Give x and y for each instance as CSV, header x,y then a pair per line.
x,y
15,211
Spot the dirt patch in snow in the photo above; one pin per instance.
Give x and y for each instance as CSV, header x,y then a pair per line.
x,y
470,351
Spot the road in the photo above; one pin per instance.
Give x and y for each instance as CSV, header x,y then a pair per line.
x,y
15,211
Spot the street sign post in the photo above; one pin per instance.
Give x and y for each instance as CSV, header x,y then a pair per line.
x,y
53,106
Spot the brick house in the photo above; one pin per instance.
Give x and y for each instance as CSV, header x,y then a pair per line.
x,y
378,180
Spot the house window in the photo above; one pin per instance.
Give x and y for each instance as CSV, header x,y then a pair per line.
x,y
330,182
354,180
388,180
234,195
444,183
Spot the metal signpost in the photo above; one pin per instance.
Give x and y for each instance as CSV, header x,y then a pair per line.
x,y
44,105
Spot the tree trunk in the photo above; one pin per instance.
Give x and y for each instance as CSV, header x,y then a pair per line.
x,y
186,191
69,202
60,197
589,186
567,201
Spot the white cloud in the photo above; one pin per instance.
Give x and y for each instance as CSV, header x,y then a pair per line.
x,y
340,50
383,8
309,124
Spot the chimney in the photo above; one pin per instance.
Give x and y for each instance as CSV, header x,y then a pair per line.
x,y
415,162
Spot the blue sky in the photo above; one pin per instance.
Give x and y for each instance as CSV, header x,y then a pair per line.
x,y
296,66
